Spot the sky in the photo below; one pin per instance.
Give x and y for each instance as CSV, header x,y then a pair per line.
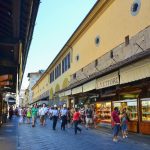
x,y
55,23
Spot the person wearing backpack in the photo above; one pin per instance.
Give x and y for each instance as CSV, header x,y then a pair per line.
x,y
89,116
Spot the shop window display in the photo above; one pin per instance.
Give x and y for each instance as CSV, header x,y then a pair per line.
x,y
103,112
130,105
145,109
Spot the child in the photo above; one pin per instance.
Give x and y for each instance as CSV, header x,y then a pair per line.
x,y
124,125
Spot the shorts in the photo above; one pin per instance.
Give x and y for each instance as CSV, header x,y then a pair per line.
x,y
89,120
124,127
116,130
42,118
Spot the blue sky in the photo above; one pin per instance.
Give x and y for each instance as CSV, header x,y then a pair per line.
x,y
56,21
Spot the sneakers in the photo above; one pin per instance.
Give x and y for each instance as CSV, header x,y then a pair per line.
x,y
115,140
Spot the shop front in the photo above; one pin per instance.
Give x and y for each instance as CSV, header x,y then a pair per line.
x,y
104,104
103,112
144,126
132,112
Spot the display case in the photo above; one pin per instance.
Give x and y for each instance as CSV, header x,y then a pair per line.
x,y
145,105
103,112
130,105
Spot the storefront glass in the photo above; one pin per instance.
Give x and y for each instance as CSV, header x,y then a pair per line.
x,y
145,104
130,105
103,111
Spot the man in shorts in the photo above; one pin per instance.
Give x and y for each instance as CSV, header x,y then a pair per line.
x,y
89,116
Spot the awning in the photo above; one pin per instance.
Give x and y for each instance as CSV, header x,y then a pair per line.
x,y
67,92
77,90
89,86
62,94
136,71
108,80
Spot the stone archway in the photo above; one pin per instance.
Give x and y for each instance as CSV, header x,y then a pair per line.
x,y
65,83
51,93
57,88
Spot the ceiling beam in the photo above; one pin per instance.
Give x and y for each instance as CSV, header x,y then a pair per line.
x,y
16,18
6,83
8,41
5,77
7,63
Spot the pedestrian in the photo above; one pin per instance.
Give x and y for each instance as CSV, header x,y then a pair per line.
x,y
82,112
43,112
55,114
28,115
24,113
68,117
95,118
10,112
34,112
89,117
20,115
124,122
115,123
63,113
76,118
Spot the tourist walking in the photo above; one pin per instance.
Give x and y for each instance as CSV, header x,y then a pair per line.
x,y
10,112
34,112
76,118
89,117
63,113
115,123
55,114
28,115
42,112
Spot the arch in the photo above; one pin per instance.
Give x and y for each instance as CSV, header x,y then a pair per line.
x,y
51,93
65,83
57,88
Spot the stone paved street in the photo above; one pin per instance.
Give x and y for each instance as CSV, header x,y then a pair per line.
x,y
44,138
24,137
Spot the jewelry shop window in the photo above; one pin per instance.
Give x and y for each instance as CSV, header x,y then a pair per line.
x,y
145,105
130,105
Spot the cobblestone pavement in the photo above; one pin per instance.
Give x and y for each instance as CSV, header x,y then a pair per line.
x,y
44,138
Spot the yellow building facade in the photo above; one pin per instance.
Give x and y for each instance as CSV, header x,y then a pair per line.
x,y
98,55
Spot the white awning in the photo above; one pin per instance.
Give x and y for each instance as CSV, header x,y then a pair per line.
x,y
136,71
67,92
62,94
108,80
89,86
77,90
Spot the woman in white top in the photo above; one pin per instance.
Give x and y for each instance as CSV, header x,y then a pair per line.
x,y
42,113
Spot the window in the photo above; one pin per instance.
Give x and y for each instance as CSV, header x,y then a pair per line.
x,y
57,71
130,105
77,57
97,41
66,63
145,109
74,76
126,40
52,76
96,63
135,7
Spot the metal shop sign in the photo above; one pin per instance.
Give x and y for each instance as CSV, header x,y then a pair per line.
x,y
107,81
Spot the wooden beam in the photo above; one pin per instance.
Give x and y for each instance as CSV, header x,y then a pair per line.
x,y
16,18
7,63
6,83
5,77
8,41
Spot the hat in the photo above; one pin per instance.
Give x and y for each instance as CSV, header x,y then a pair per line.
x,y
64,105
55,105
